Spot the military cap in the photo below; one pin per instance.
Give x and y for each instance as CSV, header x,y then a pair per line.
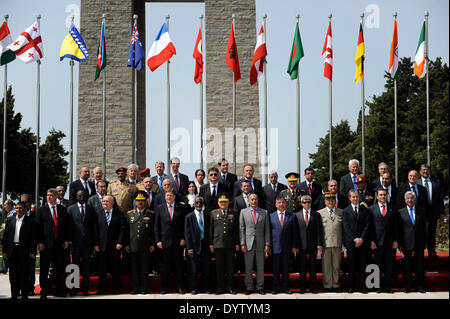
x,y
121,169
140,196
330,195
145,171
361,179
223,198
292,177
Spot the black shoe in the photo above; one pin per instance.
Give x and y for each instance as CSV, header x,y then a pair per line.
x,y
261,292
379,291
73,293
31,292
328,289
144,292
85,293
350,290
421,290
302,291
194,292
407,290
388,291
164,292
181,291
100,292
364,290
116,292
313,291
434,256
248,292
231,291
60,295
43,297
275,292
219,292
288,292
134,292
337,289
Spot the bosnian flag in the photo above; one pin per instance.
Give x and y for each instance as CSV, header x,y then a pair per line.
x,y
28,46
327,54
162,49
259,56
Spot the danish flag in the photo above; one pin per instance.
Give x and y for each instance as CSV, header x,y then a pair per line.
x,y
28,46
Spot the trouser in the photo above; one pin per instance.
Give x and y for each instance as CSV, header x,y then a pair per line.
x,y
110,258
18,272
172,257
81,256
224,266
431,234
250,257
305,258
55,256
416,262
331,266
200,262
239,265
384,258
139,270
356,262
31,274
280,265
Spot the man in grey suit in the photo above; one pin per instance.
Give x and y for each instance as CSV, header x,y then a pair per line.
x,y
95,201
254,230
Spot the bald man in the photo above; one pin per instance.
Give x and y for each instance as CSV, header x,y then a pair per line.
x,y
82,184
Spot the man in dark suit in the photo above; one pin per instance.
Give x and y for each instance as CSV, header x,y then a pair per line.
x,y
341,201
196,228
111,237
210,191
386,183
348,181
150,194
412,225
84,237
160,175
29,211
226,178
61,200
95,201
435,206
255,185
272,190
412,185
283,231
19,247
311,188
383,168
356,239
179,181
53,235
169,236
308,240
98,176
161,197
83,184
383,237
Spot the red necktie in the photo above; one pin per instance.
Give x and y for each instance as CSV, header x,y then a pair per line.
x,y
149,200
170,212
335,206
306,219
309,189
281,220
55,221
254,216
383,210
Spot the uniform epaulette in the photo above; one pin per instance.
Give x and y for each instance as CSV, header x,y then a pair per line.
x,y
132,211
150,211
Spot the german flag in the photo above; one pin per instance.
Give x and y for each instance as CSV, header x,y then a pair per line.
x,y
359,60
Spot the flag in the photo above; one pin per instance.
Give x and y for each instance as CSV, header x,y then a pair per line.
x,y
6,55
135,53
419,59
393,61
359,60
101,53
28,46
296,54
327,54
232,58
73,46
198,56
162,49
259,56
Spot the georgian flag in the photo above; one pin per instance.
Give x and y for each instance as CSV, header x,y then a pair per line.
x,y
327,54
28,46
259,56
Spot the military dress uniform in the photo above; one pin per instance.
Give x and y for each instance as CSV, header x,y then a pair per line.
x,y
293,199
141,237
123,192
224,236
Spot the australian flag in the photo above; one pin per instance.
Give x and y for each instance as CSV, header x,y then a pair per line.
x,y
136,53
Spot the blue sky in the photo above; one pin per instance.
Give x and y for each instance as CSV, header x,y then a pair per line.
x,y
184,23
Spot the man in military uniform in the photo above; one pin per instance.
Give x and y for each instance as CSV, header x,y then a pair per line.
x,y
141,186
224,240
122,190
366,195
141,242
292,194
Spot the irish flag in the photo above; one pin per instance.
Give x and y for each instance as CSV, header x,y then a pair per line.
x,y
419,60
6,55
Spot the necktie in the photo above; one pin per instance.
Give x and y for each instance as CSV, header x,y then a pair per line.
x,y
108,217
85,185
214,191
254,215
82,212
309,189
200,225
331,214
55,221
160,182
281,220
177,181
246,200
306,218
411,215
224,178
356,210
170,212
354,182
428,191
413,188
274,188
383,211
149,199
335,205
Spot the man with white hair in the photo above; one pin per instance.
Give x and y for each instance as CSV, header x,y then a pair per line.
x,y
133,173
98,176
348,181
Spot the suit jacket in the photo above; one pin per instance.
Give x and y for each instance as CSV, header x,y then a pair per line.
x,y
342,202
155,179
437,199
229,183
168,231
393,198
95,203
270,195
282,238
332,228
421,198
83,232
192,232
239,203
308,238
46,228
356,225
249,232
258,190
345,184
376,183
65,202
411,236
316,192
210,201
76,186
26,236
383,231
95,185
110,236
152,200
184,183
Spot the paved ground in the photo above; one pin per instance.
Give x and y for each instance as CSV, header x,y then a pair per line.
x,y
5,292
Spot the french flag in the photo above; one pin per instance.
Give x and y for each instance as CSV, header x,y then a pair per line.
x,y
162,49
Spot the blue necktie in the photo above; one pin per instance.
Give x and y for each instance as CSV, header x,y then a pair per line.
x,y
411,215
108,217
354,182
224,178
200,225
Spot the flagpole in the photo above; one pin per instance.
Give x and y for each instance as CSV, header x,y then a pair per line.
x,y
363,150
168,105
233,16
298,114
266,153
331,120
5,122
201,101
395,120
135,17
104,108
71,63
38,106
428,89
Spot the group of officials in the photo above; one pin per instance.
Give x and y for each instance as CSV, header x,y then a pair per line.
x,y
168,218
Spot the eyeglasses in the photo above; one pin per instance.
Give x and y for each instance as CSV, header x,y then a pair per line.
x,y
213,174
306,202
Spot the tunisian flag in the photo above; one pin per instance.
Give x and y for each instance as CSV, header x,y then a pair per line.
x,y
232,56
257,67
198,56
327,54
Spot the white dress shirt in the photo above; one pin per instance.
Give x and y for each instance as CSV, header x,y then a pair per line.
x,y
281,213
87,185
18,225
51,210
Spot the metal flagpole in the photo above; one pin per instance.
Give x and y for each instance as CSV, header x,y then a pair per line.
x,y
331,120
38,106
363,150
298,115
104,109
201,101
266,153
428,89
135,17
168,105
395,120
234,111
71,63
5,123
